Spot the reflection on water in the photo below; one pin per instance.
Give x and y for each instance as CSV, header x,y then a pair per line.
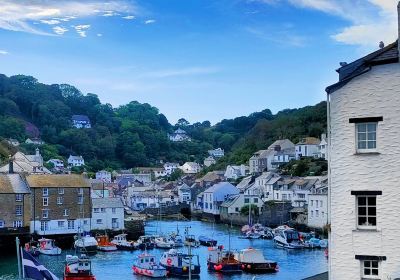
x,y
118,265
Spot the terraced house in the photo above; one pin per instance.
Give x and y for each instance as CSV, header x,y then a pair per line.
x,y
61,204
14,204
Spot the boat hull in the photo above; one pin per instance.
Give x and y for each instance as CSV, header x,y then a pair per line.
x,y
227,268
107,248
260,267
90,250
50,252
181,271
208,243
154,273
125,248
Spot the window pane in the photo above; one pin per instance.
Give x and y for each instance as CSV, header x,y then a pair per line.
x,y
367,263
362,211
371,127
361,127
372,221
362,201
367,271
362,136
371,145
374,264
362,144
371,135
371,211
374,272
371,200
362,221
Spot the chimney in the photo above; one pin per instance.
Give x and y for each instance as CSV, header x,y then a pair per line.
x,y
11,166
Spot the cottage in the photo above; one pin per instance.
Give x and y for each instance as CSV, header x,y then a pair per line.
x,y
27,164
81,121
140,200
307,147
214,196
57,163
216,153
34,141
318,207
61,204
364,176
234,204
107,214
154,171
235,172
208,161
184,194
170,167
191,168
75,161
323,147
103,176
179,135
14,204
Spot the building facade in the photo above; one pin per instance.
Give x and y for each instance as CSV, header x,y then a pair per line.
x,y
107,214
81,121
75,161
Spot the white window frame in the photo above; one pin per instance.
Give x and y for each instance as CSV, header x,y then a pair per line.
x,y
45,213
366,214
99,221
45,201
45,191
61,191
96,210
71,224
60,200
61,224
17,224
2,224
366,149
370,267
66,212
114,210
80,191
19,197
18,210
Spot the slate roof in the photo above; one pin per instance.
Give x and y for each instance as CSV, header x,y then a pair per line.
x,y
59,180
219,186
80,118
13,183
386,55
111,202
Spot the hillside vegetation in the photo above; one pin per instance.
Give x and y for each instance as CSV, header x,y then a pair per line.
x,y
135,134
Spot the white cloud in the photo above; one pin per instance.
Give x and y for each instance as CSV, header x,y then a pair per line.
x,y
110,14
81,29
149,21
3,52
50,21
166,73
21,15
370,21
99,35
129,17
59,30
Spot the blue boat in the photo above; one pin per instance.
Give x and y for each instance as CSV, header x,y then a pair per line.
x,y
206,241
222,261
177,264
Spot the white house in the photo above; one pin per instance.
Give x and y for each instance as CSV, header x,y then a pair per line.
x,y
364,167
281,157
107,213
75,161
13,142
234,203
318,208
179,135
57,163
184,194
103,176
30,164
208,161
323,147
170,167
235,171
81,121
215,195
307,147
216,153
34,141
190,168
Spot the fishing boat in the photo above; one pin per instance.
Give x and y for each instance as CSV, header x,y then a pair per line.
x,y
104,244
312,243
190,240
207,241
323,243
177,263
86,244
145,242
177,239
164,242
122,243
146,265
32,247
252,260
78,268
222,261
47,247
288,239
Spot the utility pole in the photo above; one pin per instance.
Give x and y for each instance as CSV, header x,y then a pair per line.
x,y
18,257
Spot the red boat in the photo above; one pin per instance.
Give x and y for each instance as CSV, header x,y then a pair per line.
x,y
78,268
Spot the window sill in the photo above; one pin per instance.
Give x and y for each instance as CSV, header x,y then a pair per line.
x,y
366,230
366,153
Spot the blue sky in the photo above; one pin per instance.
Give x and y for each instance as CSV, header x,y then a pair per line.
x,y
197,59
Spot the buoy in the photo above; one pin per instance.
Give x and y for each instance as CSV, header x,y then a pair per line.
x,y
169,261
184,268
249,266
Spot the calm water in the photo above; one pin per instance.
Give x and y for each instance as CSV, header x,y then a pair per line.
x,y
117,265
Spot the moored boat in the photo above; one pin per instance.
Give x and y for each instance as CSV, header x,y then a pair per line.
x,y
207,241
122,243
146,265
288,239
32,247
78,268
86,244
252,260
145,242
222,261
177,263
164,242
47,247
191,240
104,244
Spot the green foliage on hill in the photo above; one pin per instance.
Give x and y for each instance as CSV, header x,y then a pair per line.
x,y
135,134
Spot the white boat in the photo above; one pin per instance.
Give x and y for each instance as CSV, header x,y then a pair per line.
x,y
122,243
47,247
191,240
146,265
164,242
323,243
177,239
177,263
252,260
288,239
86,244
78,268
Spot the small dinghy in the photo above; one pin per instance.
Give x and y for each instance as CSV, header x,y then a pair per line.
x,y
122,243
206,241
104,244
146,265
177,264
78,268
47,247
253,261
222,261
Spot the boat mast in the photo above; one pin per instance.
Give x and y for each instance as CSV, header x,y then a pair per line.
x,y
189,252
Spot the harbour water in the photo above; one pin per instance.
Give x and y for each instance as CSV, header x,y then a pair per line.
x,y
118,265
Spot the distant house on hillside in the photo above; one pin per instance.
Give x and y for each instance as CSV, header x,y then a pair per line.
x,y
28,164
179,135
57,163
216,153
13,142
34,141
209,161
236,171
323,147
307,147
81,121
170,167
75,161
190,168
103,176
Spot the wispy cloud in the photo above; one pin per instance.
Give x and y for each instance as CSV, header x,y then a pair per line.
x,y
283,36
59,30
3,52
110,14
370,21
190,71
81,29
149,21
130,17
99,35
22,15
